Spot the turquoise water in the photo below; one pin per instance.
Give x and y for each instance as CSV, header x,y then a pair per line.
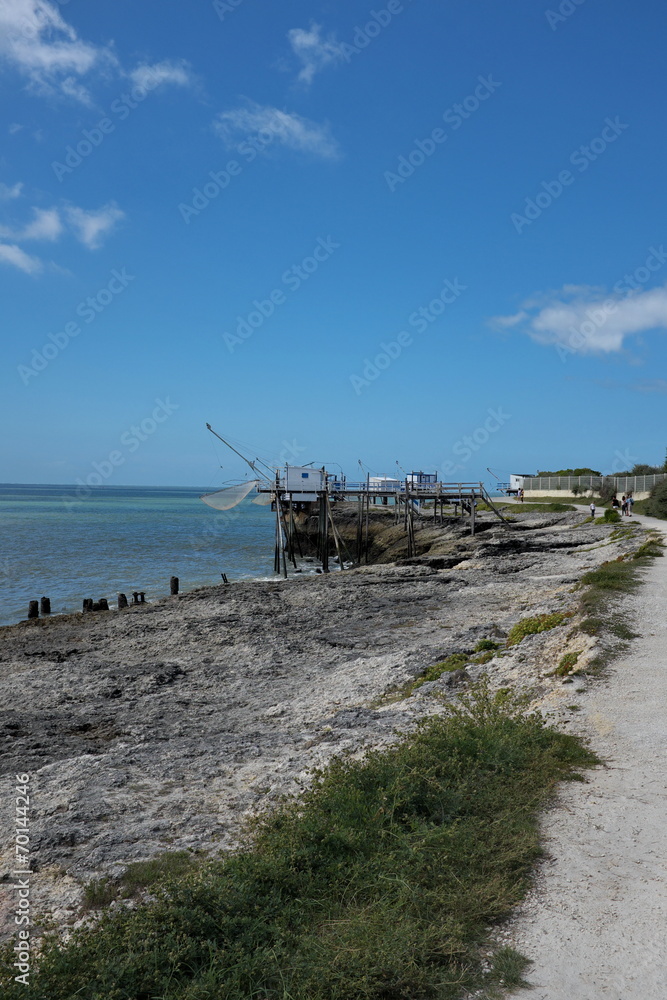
x,y
121,539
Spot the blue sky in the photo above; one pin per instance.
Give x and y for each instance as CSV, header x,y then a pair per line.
x,y
415,231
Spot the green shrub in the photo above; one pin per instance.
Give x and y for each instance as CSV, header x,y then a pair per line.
x,y
566,664
531,626
657,500
99,893
454,662
382,882
650,549
139,875
483,657
608,489
610,516
485,644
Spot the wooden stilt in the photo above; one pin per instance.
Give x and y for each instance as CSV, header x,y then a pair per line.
x,y
33,609
173,585
325,532
276,553
334,531
122,601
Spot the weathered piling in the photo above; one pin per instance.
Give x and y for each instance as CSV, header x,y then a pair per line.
x,y
87,604
33,609
122,601
135,596
142,597
45,606
173,585
102,604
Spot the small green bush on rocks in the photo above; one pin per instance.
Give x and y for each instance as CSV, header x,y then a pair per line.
x,y
531,626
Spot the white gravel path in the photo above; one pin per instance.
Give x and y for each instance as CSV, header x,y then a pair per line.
x,y
595,925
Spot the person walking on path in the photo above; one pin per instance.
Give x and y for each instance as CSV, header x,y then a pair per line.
x,y
593,509
624,506
631,503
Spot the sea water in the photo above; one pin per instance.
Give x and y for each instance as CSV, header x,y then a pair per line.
x,y
68,544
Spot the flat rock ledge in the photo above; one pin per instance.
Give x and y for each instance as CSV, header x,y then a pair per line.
x,y
165,726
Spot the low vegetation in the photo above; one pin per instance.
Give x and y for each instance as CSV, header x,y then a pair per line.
x,y
454,662
566,664
656,503
139,876
549,506
531,626
382,882
610,516
615,578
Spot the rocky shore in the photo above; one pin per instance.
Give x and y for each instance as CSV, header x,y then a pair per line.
x,y
164,726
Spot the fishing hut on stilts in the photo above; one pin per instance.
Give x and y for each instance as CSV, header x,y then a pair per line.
x,y
295,490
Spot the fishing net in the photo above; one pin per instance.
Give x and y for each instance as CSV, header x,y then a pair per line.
x,y
230,496
264,499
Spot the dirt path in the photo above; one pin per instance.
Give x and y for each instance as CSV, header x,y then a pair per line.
x,y
596,924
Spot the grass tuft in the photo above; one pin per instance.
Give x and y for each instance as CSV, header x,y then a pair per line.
x,y
531,626
484,645
138,876
566,664
380,884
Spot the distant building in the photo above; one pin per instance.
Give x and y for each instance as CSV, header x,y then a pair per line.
x,y
423,478
517,480
303,482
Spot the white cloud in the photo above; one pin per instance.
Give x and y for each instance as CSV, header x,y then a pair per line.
x,y
45,225
509,321
92,227
313,51
651,385
289,130
587,320
7,192
166,72
15,127
14,256
36,40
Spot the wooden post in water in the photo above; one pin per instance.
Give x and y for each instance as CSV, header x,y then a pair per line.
x,y
135,596
295,530
87,604
173,585
288,540
335,533
122,601
142,597
33,609
103,604
45,606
